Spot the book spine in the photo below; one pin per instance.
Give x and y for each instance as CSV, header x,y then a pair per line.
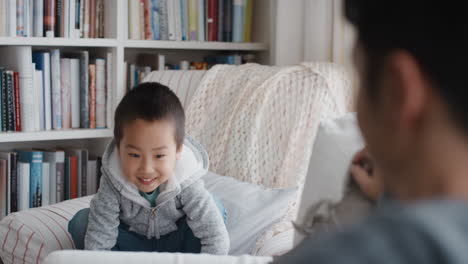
x,y
92,96
17,101
163,20
238,21
141,19
13,182
3,18
73,177
3,189
20,18
11,101
87,14
67,179
193,19
100,93
38,18
26,18
39,99
78,17
60,180
227,32
2,84
248,21
212,20
101,27
84,172
220,20
109,90
66,18
82,17
56,89
34,158
75,92
45,183
24,169
184,20
65,92
4,101
49,18
178,20
171,20
47,92
84,90
71,19
155,19
58,18
92,19
201,20
147,18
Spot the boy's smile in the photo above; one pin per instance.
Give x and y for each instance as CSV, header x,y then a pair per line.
x,y
148,153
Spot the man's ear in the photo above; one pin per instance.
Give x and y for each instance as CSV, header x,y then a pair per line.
x,y
179,151
410,87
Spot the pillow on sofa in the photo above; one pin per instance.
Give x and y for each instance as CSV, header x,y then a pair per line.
x,y
251,208
29,236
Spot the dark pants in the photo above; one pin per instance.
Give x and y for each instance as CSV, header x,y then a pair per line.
x,y
182,240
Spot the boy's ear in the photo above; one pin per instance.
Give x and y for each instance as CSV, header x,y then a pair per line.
x,y
179,151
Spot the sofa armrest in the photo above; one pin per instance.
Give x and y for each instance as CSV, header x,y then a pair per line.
x,y
30,235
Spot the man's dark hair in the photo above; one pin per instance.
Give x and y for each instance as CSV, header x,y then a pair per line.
x,y
150,101
435,33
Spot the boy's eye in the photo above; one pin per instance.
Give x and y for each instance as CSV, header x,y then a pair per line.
x,y
160,156
133,155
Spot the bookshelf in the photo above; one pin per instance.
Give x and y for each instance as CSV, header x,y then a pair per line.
x,y
124,50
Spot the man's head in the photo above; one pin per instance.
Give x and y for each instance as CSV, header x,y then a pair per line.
x,y
411,58
149,133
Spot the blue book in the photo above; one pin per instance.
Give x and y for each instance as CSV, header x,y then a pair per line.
x,y
184,13
155,19
238,21
34,158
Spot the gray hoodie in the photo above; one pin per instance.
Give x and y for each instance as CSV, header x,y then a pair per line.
x,y
118,200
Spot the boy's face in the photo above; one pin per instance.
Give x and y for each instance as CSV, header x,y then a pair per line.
x,y
148,153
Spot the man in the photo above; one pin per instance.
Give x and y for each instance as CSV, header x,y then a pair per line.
x,y
412,110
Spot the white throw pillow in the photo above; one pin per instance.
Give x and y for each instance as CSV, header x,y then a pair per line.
x,y
251,209
336,143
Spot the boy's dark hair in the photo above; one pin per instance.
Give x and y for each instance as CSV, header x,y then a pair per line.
x,y
150,101
435,33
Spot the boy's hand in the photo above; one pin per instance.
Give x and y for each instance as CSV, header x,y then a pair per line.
x,y
366,175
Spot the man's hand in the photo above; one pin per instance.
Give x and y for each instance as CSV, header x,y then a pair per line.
x,y
366,175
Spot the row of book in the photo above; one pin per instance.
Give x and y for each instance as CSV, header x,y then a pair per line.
x,y
35,178
146,63
52,18
194,20
42,90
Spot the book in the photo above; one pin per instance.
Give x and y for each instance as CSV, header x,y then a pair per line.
x,y
193,19
73,177
38,101
56,89
71,18
100,93
78,17
67,179
20,18
238,21
82,4
24,169
227,20
84,89
248,20
184,19
3,189
220,20
201,20
45,183
86,18
3,18
133,18
42,61
56,160
19,58
92,96
109,89
83,172
11,5
3,98
65,18
34,158
147,20
11,180
100,18
10,101
75,92
59,18
92,19
141,19
17,101
49,18
65,84
155,19
39,18
178,20
171,20
163,20
81,156
91,186
26,18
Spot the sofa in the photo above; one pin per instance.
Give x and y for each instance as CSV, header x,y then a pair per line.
x,y
258,124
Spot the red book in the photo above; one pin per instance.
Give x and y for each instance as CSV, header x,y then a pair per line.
x,y
73,177
212,20
17,101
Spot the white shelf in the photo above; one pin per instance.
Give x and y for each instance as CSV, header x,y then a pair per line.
x,y
55,135
58,42
194,45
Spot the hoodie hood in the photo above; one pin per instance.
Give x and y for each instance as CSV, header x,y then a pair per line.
x,y
191,166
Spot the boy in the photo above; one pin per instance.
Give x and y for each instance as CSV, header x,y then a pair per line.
x,y
151,196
